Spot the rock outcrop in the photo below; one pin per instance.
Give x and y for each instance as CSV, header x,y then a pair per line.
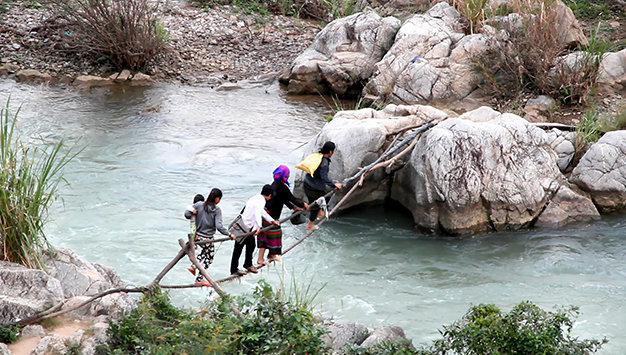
x,y
602,172
25,292
343,334
479,172
342,55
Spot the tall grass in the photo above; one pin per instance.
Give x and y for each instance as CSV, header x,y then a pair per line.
x,y
29,178
474,12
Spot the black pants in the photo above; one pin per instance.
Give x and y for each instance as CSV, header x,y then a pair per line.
x,y
313,195
234,261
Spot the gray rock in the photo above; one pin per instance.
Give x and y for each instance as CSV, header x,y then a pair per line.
x,y
25,292
466,177
613,68
77,276
34,330
386,333
342,55
429,60
361,136
565,207
342,334
563,145
602,172
32,76
4,349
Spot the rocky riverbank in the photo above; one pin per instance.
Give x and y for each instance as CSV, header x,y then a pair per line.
x,y
206,46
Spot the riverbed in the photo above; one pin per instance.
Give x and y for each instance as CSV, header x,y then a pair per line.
x,y
147,152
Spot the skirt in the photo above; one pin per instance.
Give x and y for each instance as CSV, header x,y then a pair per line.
x,y
271,239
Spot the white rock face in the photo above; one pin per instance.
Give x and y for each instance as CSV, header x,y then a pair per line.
x,y
567,206
466,177
563,145
25,292
429,60
613,69
602,172
360,137
342,55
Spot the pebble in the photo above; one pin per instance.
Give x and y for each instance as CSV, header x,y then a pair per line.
x,y
201,43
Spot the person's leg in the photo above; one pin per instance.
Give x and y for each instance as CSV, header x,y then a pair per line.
x,y
314,210
274,240
234,261
262,245
250,245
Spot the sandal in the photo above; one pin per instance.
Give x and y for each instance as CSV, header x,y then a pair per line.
x,y
192,270
252,269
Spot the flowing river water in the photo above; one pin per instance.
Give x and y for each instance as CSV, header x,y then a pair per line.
x,y
138,172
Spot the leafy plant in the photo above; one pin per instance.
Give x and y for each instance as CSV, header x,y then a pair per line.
x,y
400,347
8,333
267,324
29,178
526,329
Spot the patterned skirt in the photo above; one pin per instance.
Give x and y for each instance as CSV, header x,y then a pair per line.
x,y
271,239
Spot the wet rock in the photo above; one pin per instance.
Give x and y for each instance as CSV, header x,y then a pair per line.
x,y
602,172
342,334
86,82
386,333
567,206
32,76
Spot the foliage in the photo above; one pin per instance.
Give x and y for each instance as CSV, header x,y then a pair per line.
x,y
531,59
323,10
593,9
127,33
400,347
473,10
526,329
8,333
613,122
267,324
29,178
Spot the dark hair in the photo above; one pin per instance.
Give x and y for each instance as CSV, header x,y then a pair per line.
x,y
327,147
198,198
266,190
213,195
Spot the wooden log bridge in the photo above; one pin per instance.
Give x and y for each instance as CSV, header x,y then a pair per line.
x,y
187,248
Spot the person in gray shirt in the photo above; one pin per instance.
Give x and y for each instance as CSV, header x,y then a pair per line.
x,y
208,221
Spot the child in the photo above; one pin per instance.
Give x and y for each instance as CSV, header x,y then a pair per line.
x,y
208,221
192,222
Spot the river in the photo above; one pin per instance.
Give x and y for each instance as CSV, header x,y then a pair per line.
x,y
138,172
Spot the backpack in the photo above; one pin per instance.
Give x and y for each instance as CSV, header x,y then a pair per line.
x,y
310,163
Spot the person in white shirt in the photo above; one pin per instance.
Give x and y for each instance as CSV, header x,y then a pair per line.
x,y
253,215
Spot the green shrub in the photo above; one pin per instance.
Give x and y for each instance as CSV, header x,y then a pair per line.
x,y
8,333
267,324
526,329
29,178
400,347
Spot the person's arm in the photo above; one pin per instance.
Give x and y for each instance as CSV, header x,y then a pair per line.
x,y
290,200
324,168
218,222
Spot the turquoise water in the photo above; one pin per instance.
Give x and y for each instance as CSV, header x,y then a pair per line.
x,y
138,171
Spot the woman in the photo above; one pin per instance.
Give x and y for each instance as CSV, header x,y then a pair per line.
x,y
317,185
208,220
272,239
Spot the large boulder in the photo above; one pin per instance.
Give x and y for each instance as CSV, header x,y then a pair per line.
x,y
479,172
25,292
567,206
342,55
361,137
430,60
602,172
